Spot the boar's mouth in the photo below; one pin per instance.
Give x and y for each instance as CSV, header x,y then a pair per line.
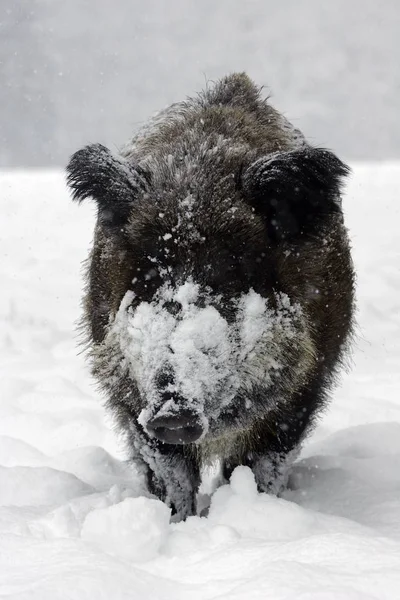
x,y
181,428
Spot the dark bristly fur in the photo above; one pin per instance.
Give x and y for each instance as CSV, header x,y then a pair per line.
x,y
265,215
295,190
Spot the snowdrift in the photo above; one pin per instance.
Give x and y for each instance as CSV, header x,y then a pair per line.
x,y
75,519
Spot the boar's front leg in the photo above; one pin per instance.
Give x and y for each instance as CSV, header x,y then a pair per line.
x,y
273,446
174,478
173,473
270,469
274,441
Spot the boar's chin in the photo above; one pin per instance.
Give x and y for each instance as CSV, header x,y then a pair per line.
x,y
213,365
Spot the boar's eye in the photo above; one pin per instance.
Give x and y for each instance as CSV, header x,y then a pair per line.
x,y
147,279
230,274
110,180
295,191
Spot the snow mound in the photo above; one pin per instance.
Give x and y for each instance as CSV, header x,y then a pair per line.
x,y
37,486
133,529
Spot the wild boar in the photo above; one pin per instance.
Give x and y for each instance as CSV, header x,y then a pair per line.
x,y
220,288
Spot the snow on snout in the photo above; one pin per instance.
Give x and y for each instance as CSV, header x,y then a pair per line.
x,y
202,352
207,358
195,346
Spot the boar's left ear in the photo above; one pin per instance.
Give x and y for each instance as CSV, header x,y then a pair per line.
x,y
295,191
110,180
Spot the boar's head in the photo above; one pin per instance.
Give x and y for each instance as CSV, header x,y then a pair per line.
x,y
198,300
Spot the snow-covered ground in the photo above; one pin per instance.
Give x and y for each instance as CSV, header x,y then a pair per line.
x,y
74,523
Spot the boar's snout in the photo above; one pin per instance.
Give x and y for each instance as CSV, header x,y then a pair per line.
x,y
179,428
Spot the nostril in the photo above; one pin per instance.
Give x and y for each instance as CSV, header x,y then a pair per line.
x,y
172,307
183,419
183,428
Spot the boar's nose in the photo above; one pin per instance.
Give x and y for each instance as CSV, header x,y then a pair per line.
x,y
181,428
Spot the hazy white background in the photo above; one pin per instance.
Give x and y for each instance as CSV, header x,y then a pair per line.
x,y
79,71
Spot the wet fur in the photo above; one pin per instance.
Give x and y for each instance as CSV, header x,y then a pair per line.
x,y
259,190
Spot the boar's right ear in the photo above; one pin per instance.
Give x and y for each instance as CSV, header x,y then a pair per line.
x,y
111,181
295,191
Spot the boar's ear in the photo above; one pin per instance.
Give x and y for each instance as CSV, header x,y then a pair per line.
x,y
295,191
111,181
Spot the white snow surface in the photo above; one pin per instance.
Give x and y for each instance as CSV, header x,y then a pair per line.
x,y
75,521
